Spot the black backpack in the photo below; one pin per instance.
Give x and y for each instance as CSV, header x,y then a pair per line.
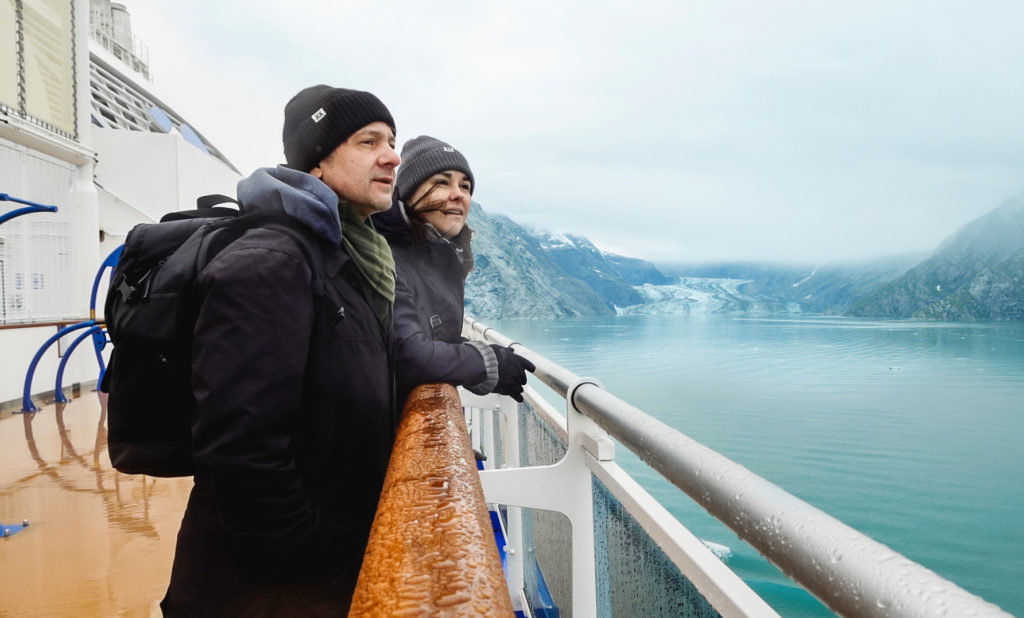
x,y
150,313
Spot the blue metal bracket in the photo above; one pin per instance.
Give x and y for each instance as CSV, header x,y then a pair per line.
x,y
12,529
30,208
110,262
26,397
99,340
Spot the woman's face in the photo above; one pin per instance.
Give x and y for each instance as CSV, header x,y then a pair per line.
x,y
443,201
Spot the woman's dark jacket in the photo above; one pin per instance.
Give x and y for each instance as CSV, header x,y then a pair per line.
x,y
429,309
294,422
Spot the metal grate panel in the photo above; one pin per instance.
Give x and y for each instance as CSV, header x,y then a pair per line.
x,y
37,251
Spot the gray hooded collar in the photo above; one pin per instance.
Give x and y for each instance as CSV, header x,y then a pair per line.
x,y
299,194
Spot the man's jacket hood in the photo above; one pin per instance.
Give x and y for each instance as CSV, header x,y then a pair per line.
x,y
299,194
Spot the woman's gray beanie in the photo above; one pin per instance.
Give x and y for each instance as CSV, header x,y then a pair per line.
x,y
424,156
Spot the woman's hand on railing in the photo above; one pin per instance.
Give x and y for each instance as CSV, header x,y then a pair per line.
x,y
512,370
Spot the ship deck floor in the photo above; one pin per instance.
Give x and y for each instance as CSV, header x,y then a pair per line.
x,y
98,543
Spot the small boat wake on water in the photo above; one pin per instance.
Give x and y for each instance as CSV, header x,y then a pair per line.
x,y
721,551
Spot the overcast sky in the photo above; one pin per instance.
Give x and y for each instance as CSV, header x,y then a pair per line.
x,y
687,130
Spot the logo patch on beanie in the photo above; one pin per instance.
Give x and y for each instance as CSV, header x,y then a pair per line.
x,y
318,115
447,149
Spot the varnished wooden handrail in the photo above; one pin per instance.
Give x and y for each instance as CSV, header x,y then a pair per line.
x,y
58,323
432,550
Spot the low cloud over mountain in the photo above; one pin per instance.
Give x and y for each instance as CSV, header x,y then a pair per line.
x,y
977,274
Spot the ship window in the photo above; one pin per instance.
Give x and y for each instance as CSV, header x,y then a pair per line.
x,y
161,121
193,138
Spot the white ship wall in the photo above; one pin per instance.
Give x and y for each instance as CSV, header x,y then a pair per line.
x,y
42,166
139,175
138,178
151,174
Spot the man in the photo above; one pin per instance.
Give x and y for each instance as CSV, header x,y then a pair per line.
x,y
293,377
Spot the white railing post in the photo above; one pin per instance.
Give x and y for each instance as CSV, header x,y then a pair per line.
x,y
474,427
508,415
568,490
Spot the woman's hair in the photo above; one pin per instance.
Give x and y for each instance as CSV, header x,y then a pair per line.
x,y
414,212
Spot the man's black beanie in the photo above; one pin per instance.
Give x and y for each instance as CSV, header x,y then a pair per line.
x,y
424,156
319,118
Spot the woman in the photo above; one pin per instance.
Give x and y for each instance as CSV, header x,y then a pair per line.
x,y
430,241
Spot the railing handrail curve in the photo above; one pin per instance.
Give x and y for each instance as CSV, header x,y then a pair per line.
x,y
847,570
432,549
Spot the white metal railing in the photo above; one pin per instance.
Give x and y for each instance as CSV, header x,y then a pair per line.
x,y
137,59
851,573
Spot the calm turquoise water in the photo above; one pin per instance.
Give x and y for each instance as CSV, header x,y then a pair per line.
x,y
910,432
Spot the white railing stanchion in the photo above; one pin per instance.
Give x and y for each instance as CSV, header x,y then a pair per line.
x,y
570,492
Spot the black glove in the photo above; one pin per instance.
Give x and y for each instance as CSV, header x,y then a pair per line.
x,y
512,370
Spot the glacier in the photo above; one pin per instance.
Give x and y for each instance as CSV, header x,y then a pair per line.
x,y
701,295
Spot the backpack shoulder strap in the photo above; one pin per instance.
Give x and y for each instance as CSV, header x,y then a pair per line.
x,y
207,207
215,199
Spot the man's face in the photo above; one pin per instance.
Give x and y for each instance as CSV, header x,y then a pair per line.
x,y
361,170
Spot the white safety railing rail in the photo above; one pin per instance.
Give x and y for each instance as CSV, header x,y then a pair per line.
x,y
851,573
